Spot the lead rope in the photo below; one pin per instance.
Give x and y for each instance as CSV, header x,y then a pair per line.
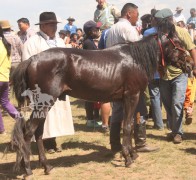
x,y
162,56
176,47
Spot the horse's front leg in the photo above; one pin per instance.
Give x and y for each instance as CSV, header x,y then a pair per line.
x,y
130,103
40,146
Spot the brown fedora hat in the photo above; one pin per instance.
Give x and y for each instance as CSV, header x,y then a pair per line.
x,y
5,24
47,17
70,19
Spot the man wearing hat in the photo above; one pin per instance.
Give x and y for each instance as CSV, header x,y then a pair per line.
x,y
43,40
179,16
69,26
173,83
16,44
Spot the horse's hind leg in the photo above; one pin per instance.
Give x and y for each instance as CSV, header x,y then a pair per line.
x,y
21,145
130,103
41,151
33,125
30,127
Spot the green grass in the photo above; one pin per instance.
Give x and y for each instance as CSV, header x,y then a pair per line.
x,y
85,155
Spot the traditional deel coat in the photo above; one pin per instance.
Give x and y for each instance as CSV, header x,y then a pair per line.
x,y
59,120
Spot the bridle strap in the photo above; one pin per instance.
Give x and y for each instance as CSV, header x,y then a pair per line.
x,y
176,47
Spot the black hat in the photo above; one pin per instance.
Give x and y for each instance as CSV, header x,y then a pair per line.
x,y
47,17
89,25
63,32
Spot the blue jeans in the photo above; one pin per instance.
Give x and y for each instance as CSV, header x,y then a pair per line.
x,y
173,96
155,99
117,110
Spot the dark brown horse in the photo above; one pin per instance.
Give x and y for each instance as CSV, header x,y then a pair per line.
x,y
118,73
173,49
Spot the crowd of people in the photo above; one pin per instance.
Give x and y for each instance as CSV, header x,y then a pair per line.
x,y
110,27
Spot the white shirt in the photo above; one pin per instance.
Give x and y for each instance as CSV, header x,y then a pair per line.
x,y
38,43
179,17
122,32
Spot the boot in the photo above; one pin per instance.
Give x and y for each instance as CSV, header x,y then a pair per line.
x,y
115,137
140,139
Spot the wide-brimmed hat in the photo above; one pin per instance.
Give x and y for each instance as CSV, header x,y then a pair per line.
x,y
179,9
70,19
47,17
63,32
5,24
89,25
163,13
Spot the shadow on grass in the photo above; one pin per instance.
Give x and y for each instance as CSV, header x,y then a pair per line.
x,y
84,128
186,136
190,150
3,147
101,154
149,126
157,137
189,136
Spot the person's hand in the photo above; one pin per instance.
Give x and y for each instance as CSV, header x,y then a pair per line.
x,y
194,72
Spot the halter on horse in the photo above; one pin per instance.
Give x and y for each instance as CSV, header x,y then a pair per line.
x,y
175,53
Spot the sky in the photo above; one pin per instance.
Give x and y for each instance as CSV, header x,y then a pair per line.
x,y
81,10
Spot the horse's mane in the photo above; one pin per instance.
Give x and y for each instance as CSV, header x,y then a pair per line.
x,y
145,53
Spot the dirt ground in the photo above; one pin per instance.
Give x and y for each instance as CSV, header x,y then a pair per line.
x,y
86,155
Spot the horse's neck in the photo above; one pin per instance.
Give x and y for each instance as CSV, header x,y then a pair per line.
x,y
173,39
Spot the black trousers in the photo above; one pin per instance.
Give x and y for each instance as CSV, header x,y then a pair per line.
x,y
50,143
91,112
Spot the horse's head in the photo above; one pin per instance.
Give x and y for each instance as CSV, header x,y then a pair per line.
x,y
171,47
174,53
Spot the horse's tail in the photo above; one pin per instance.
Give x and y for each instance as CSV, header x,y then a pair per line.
x,y
19,80
18,143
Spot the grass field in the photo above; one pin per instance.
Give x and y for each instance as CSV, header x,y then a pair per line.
x,y
85,155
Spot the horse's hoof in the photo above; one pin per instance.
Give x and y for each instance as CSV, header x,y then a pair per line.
x,y
25,177
128,162
48,170
134,156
